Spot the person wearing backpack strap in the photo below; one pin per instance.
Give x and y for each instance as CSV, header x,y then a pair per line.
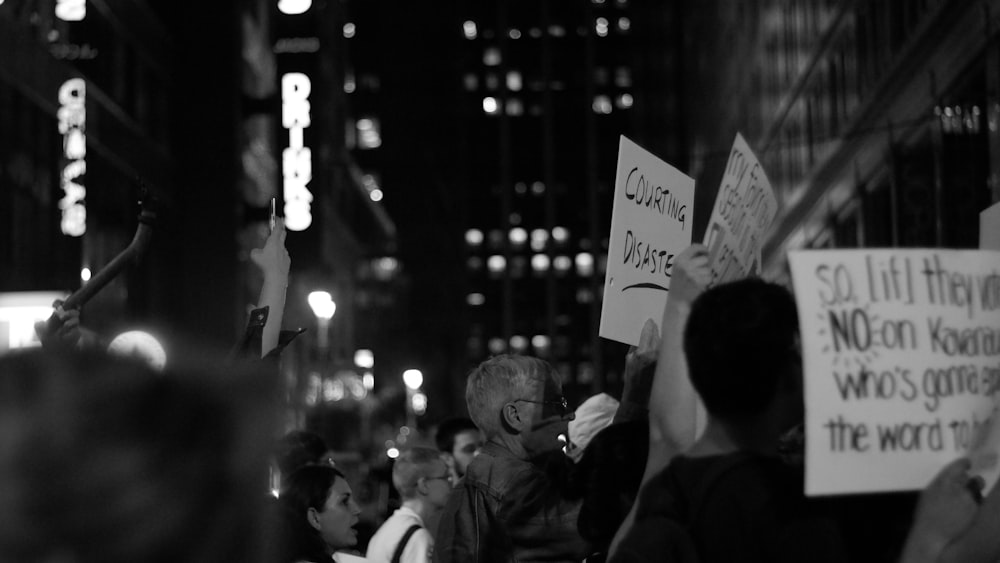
x,y
424,481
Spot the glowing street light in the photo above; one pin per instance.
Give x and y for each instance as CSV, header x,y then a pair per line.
x,y
413,378
324,308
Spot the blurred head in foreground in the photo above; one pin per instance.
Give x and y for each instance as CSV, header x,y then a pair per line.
x,y
103,459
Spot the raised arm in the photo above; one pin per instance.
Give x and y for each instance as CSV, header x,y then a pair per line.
x,y
274,263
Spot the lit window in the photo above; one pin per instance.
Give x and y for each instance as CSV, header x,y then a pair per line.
x,y
514,34
491,56
368,133
474,237
497,345
538,239
514,81
518,236
602,104
515,107
624,24
490,105
585,264
469,29
562,263
540,341
471,82
475,299
601,27
518,343
540,262
537,188
557,30
349,30
496,263
560,234
624,101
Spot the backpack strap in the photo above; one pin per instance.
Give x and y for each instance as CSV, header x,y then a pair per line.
x,y
402,543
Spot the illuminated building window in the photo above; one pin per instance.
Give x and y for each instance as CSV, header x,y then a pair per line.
x,y
518,343
469,29
368,133
497,345
537,188
534,33
515,107
349,30
475,299
624,24
585,264
540,263
518,236
557,31
471,82
601,27
560,234
474,237
538,239
562,263
514,34
514,81
602,104
491,56
540,341
490,105
496,263
350,85
624,101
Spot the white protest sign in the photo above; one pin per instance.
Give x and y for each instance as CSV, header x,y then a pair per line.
x,y
901,354
743,211
649,226
989,228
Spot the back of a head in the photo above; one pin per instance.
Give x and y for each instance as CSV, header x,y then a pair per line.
x,y
298,448
741,343
102,459
410,466
448,429
497,381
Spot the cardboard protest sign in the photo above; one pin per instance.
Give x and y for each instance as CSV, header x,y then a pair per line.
x,y
743,211
649,226
989,228
901,354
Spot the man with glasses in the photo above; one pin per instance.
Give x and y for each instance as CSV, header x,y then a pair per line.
x,y
423,481
508,507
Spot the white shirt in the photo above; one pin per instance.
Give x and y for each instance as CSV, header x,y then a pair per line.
x,y
383,544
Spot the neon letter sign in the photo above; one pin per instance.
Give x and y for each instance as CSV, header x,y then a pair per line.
x,y
73,125
296,158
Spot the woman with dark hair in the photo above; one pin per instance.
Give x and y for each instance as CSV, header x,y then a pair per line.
x,y
320,514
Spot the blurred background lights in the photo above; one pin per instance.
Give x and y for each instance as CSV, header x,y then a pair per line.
x,y
142,345
349,29
85,272
514,81
475,299
490,105
322,304
496,345
491,56
419,403
540,341
624,24
518,235
601,27
562,263
496,263
294,7
584,264
560,234
602,104
540,262
624,101
376,195
518,343
393,453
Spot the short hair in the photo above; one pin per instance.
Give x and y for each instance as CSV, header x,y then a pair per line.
x,y
741,342
410,466
498,381
298,448
449,428
104,459
307,487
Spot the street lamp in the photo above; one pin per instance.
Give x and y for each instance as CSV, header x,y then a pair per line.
x,y
413,378
323,307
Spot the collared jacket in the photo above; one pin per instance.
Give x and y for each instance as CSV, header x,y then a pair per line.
x,y
249,345
509,510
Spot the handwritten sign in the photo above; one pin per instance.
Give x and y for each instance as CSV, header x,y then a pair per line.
x,y
901,352
649,227
743,211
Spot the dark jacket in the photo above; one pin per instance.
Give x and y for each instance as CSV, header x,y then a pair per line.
x,y
506,509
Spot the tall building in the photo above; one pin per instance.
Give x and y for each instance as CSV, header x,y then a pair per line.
x,y
549,87
875,121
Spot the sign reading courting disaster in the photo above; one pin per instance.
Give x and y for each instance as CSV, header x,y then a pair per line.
x,y
650,225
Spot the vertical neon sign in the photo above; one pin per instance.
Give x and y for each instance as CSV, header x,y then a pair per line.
x,y
73,125
296,158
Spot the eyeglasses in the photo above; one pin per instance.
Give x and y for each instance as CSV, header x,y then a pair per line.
x,y
560,404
